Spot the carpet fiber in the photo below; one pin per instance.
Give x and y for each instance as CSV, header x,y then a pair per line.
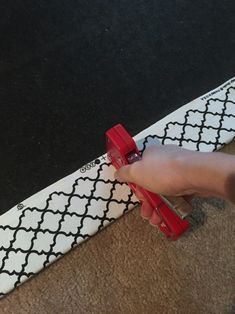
x,y
130,268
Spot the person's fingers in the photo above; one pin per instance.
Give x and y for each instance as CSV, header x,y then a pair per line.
x,y
146,210
129,173
155,219
123,174
139,194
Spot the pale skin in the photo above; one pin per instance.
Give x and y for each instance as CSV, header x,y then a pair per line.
x,y
173,171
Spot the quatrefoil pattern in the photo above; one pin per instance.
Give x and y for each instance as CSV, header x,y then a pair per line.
x,y
206,128
44,227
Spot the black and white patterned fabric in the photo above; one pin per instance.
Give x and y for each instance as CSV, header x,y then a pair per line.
x,y
44,227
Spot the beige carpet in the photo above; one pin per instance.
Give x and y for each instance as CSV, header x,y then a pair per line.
x,y
130,268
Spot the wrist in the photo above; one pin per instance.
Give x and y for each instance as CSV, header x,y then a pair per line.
x,y
195,171
211,173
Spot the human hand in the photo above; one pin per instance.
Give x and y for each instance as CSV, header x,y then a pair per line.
x,y
173,171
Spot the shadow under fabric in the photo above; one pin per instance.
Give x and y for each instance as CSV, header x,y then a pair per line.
x,y
45,226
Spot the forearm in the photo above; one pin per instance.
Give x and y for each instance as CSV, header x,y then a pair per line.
x,y
213,172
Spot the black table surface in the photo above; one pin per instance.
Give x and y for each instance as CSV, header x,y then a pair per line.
x,y
69,70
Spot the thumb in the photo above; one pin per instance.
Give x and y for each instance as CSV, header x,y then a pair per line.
x,y
124,174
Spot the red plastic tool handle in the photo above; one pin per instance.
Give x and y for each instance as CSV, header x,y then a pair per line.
x,y
122,150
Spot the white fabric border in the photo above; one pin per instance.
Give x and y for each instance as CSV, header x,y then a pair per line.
x,y
45,226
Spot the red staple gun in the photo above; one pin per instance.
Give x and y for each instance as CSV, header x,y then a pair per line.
x,y
122,150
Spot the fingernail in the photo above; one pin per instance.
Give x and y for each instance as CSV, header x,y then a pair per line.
x,y
144,217
153,225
